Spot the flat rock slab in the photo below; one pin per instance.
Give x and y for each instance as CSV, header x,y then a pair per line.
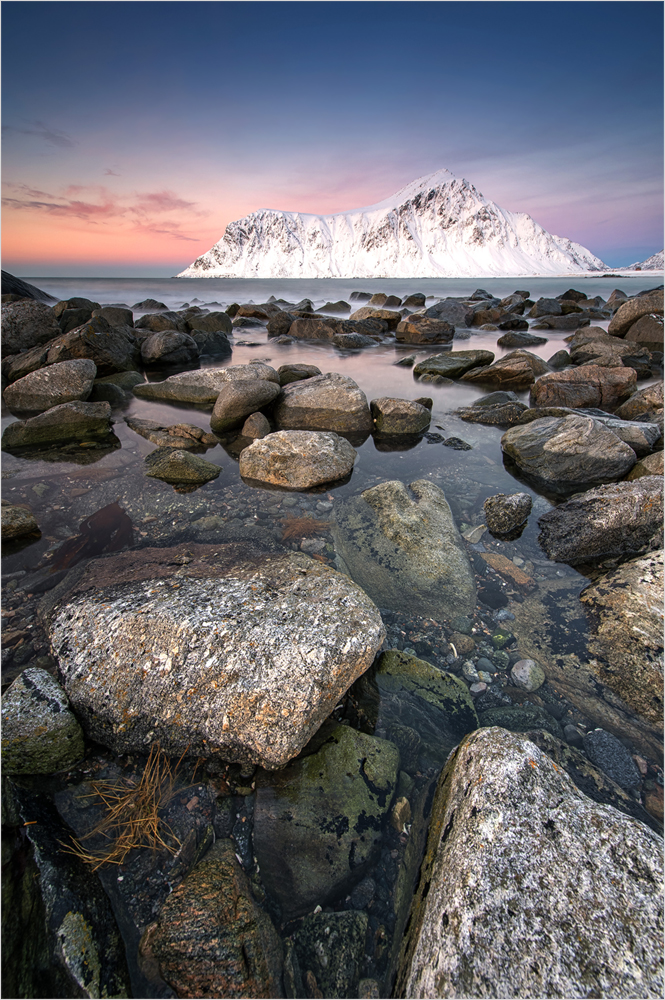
x,y
568,453
626,616
403,547
181,436
61,383
318,822
618,519
205,385
210,650
298,460
588,385
67,422
530,889
517,370
329,402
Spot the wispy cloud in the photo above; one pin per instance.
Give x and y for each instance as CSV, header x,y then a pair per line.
x,y
111,173
52,136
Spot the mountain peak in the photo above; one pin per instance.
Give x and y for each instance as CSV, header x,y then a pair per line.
x,y
436,226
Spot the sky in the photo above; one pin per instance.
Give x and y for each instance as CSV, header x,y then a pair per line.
x,y
134,132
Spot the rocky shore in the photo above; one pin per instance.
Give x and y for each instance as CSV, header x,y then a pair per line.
x,y
284,739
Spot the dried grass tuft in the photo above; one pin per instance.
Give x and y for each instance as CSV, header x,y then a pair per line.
x,y
302,527
132,814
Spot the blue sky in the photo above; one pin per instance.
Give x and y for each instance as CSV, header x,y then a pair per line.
x,y
134,132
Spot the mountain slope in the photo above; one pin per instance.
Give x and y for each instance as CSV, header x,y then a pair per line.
x,y
653,263
437,226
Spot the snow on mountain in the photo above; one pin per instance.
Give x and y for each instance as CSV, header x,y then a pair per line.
x,y
653,263
437,226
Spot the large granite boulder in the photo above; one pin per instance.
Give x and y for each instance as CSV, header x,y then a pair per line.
x,y
648,332
67,422
238,399
399,416
625,613
329,402
211,938
632,310
424,330
451,311
589,385
297,460
403,547
204,385
517,370
112,348
40,734
241,654
26,324
566,454
212,322
528,888
169,347
318,823
619,519
60,383
453,364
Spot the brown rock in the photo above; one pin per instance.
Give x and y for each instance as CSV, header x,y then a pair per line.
x,y
517,370
367,312
328,402
298,459
642,402
423,330
634,309
463,643
648,331
653,803
506,568
650,465
237,400
211,938
25,324
256,426
17,521
586,386
400,416
315,329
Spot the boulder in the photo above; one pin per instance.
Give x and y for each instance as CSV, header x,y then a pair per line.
x,y
572,322
589,385
296,373
559,360
262,312
60,383
256,426
504,514
545,307
647,331
614,353
148,305
236,400
453,364
27,324
280,324
314,329
112,348
330,947
641,403
352,341
204,385
318,823
557,898
115,315
424,330
11,285
211,938
517,370
66,422
403,547
379,299
497,414
486,317
329,402
159,322
173,465
367,312
449,310
509,321
414,301
519,339
169,347
142,658
629,312
566,454
625,616
399,416
40,734
214,344
360,296
642,436
17,521
212,322
336,307
297,460
650,465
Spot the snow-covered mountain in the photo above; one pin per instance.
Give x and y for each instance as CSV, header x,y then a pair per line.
x,y
653,263
437,226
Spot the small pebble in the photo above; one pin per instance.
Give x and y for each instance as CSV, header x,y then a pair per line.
x,y
478,688
469,671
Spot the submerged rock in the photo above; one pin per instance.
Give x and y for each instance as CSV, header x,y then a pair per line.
x,y
67,422
621,519
40,734
516,857
173,465
403,547
298,459
318,822
17,522
242,655
331,947
211,937
503,514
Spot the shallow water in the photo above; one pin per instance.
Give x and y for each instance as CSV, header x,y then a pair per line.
x,y
62,494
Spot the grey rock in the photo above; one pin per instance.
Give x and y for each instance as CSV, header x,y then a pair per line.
x,y
651,465
314,329
329,402
66,422
214,344
27,324
158,322
212,322
517,370
17,522
352,341
296,373
331,946
318,822
611,756
115,315
527,674
11,285
40,734
112,348
173,465
505,513
648,331
641,436
414,301
519,339
449,310
568,453
280,323
497,414
559,360
298,459
546,307
148,305
256,426
399,416
453,364
236,400
60,383
502,799
203,385
169,347
571,322
244,659
621,519
632,310
403,547
335,307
